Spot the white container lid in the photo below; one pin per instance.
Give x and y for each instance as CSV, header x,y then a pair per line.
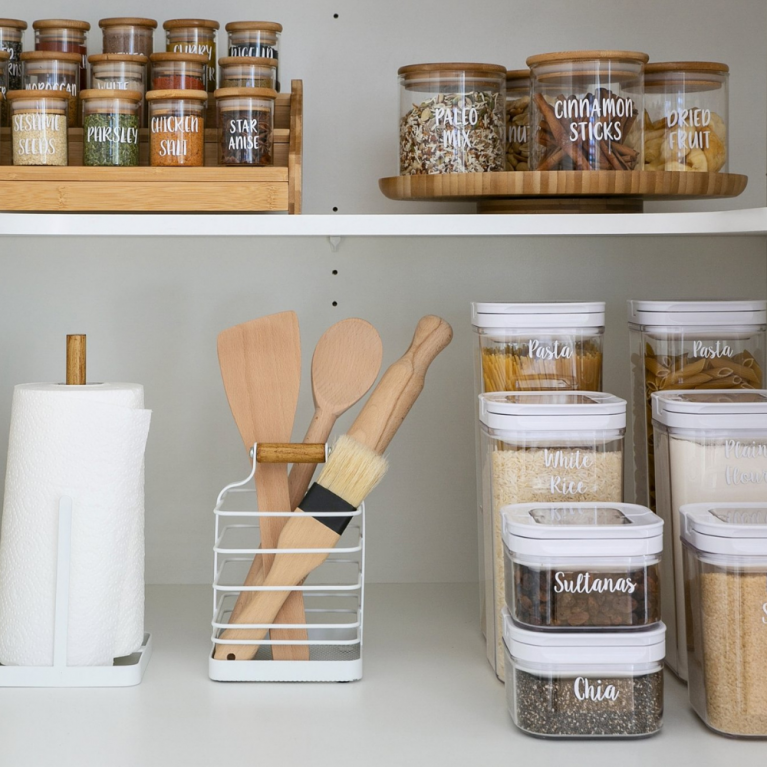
x,y
736,528
552,411
725,409
697,313
557,314
582,529
597,648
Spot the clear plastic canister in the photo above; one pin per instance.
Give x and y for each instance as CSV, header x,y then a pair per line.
x,y
128,34
587,110
255,39
179,71
38,127
177,128
247,72
542,447
518,119
12,40
111,125
245,126
686,116
64,36
46,71
121,72
452,118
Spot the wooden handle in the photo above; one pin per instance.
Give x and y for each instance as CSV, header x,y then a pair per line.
x,y
400,386
301,475
76,360
269,452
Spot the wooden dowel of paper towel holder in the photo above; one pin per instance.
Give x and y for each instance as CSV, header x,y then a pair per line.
x,y
273,452
76,360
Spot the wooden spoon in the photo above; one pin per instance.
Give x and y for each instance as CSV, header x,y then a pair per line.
x,y
345,365
260,364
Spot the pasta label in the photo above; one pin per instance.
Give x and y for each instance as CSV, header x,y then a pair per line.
x,y
555,351
720,349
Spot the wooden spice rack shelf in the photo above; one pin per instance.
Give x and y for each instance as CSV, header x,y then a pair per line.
x,y
596,191
143,189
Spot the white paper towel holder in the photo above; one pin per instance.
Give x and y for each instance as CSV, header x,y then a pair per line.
x,y
125,672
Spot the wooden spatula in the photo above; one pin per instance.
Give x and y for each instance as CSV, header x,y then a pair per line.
x,y
261,367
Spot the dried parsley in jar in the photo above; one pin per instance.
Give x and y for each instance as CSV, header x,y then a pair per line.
x,y
176,128
245,126
111,127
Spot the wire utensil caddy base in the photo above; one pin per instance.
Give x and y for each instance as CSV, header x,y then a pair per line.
x,y
125,672
333,595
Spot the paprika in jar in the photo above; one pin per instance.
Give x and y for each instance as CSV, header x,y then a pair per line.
x,y
176,128
65,36
178,71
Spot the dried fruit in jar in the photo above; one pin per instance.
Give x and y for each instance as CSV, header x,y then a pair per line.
x,y
686,140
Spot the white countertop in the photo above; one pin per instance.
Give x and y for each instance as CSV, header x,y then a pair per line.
x,y
428,698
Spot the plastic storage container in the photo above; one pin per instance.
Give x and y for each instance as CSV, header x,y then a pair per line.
x,y
176,128
587,111
245,126
128,34
518,119
12,40
452,118
686,116
111,122
725,549
687,345
582,566
179,71
542,447
47,71
38,127
247,72
710,447
585,684
121,72
255,39
65,36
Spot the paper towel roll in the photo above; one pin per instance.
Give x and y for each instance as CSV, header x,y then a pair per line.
x,y
86,442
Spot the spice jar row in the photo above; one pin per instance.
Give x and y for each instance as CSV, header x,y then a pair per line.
x,y
577,110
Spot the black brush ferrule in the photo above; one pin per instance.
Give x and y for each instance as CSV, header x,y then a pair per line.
x,y
319,498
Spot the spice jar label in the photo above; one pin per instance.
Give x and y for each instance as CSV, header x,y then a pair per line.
x,y
176,140
39,139
206,49
111,139
259,50
14,63
686,140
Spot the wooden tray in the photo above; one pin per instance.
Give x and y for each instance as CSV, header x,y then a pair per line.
x,y
561,191
211,188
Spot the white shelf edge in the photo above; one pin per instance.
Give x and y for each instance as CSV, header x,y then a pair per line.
x,y
751,221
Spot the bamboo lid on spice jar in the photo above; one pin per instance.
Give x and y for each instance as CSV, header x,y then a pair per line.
x,y
195,58
416,71
177,94
688,76
13,23
247,61
133,58
117,101
182,23
61,24
687,66
517,74
256,93
5,55
73,58
242,26
37,95
110,93
128,21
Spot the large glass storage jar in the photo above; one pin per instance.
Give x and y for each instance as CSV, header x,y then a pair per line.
x,y
725,551
587,110
582,566
542,447
12,40
45,71
518,119
128,34
65,36
38,127
179,71
688,345
176,128
452,118
245,126
586,684
247,72
686,116
710,447
121,72
111,127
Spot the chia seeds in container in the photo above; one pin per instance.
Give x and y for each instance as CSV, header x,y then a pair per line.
x,y
128,35
585,685
111,128
245,126
582,566
38,127
12,40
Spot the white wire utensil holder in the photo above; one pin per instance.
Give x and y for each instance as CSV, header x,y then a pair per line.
x,y
333,593
125,672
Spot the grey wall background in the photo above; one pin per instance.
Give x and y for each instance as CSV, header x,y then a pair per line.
x,y
152,307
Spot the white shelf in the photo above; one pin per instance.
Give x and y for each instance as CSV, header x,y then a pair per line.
x,y
730,222
428,697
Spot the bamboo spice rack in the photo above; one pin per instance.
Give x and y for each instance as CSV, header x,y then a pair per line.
x,y
142,189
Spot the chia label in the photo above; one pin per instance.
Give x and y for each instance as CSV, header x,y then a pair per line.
x,y
584,689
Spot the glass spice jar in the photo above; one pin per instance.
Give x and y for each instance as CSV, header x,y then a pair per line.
x,y
12,40
587,110
66,36
686,116
176,128
111,127
4,59
255,39
121,72
194,36
128,35
38,127
179,71
247,72
245,126
518,119
48,70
